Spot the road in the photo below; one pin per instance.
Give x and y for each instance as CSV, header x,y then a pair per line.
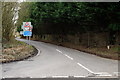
x,y
57,61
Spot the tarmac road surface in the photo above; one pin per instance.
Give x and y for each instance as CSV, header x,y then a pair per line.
x,y
54,61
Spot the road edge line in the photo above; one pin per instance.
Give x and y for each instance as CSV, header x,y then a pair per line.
x,y
85,68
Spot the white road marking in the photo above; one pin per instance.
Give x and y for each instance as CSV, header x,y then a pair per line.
x,y
43,77
3,77
60,76
69,57
102,74
85,68
38,52
29,59
58,50
78,76
97,74
116,73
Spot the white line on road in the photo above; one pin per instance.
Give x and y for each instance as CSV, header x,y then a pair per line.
x,y
60,76
69,57
97,74
78,76
102,74
116,73
43,77
58,50
65,54
85,68
38,52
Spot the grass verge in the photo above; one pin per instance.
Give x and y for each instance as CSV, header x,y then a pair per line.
x,y
15,51
112,53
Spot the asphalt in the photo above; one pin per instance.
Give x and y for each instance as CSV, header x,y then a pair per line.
x,y
54,61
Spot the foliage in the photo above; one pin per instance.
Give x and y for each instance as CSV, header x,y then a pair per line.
x,y
90,16
19,29
24,14
72,18
7,22
114,27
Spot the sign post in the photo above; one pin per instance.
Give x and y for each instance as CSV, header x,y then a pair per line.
x,y
27,30
29,40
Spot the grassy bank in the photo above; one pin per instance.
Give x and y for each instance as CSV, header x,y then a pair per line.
x,y
16,50
112,53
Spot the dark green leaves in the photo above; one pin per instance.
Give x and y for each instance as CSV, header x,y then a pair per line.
x,y
114,27
75,17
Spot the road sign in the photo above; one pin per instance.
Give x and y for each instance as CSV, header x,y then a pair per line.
x,y
27,29
27,26
27,33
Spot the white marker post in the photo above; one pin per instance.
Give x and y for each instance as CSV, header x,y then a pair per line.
x,y
108,47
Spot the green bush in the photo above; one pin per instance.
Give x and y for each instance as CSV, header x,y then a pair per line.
x,y
114,27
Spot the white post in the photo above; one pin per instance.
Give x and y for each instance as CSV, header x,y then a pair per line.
x,y
108,47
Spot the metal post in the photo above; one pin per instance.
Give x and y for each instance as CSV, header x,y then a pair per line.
x,y
29,40
26,38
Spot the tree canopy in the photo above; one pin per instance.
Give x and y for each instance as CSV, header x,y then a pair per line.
x,y
73,17
7,20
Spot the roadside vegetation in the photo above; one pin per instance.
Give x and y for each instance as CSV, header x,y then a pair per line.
x,y
90,27
112,53
12,49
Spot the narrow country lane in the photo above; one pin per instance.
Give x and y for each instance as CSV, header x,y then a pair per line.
x,y
58,61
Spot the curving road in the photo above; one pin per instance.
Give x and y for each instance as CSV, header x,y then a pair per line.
x,y
56,61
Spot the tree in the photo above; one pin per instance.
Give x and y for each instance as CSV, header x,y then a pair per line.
x,y
72,18
24,14
7,20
